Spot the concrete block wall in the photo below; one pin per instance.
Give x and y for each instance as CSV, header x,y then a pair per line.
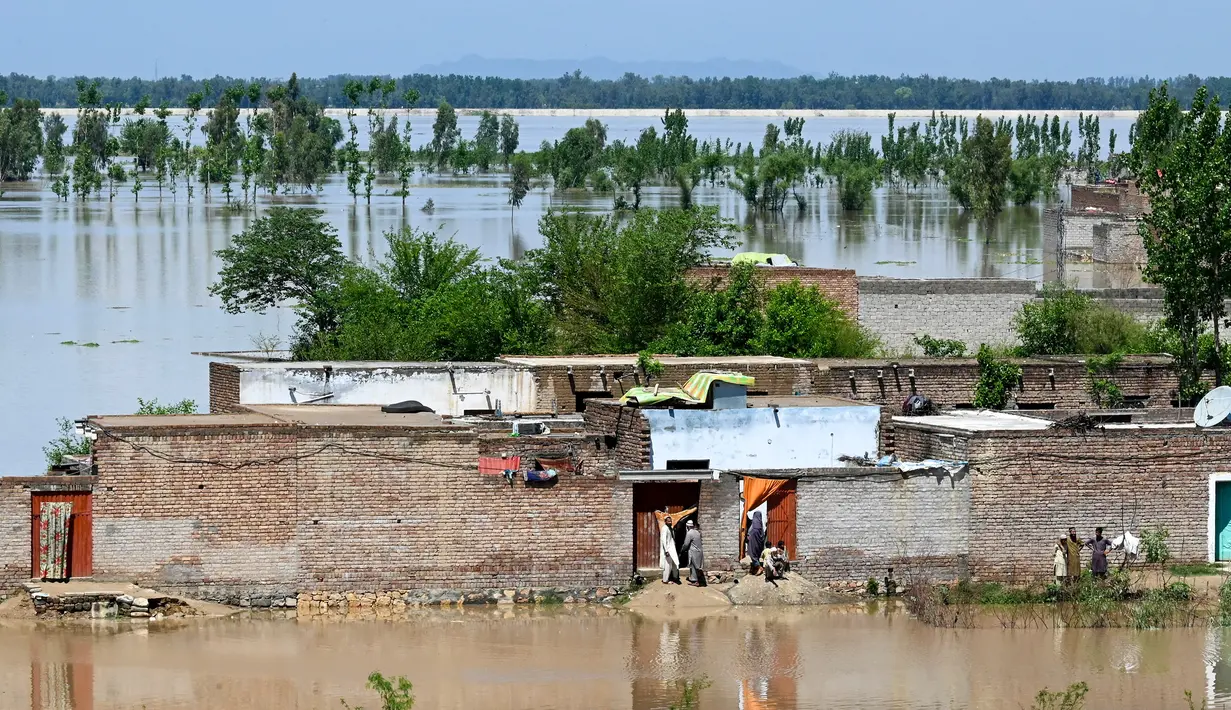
x,y
853,528
841,285
1118,241
337,509
973,311
1029,487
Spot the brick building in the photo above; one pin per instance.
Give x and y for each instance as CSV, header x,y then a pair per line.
x,y
1032,478
283,499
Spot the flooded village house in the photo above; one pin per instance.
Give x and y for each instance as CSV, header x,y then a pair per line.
x,y
264,500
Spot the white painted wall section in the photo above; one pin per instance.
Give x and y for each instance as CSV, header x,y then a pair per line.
x,y
761,437
475,388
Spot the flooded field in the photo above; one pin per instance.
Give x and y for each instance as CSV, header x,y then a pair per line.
x,y
103,302
797,659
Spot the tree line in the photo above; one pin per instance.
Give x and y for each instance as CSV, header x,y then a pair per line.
x,y
632,91
292,144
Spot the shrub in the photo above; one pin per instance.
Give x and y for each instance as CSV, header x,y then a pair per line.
x,y
801,322
651,366
153,407
1154,544
395,693
1065,322
873,587
996,380
937,347
1103,390
1074,698
68,443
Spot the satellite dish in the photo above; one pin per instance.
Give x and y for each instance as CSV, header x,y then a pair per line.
x,y
1213,408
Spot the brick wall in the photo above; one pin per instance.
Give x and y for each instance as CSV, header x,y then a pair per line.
x,y
1060,383
224,388
841,285
553,383
345,509
719,513
852,528
15,564
1029,487
973,311
623,431
1118,199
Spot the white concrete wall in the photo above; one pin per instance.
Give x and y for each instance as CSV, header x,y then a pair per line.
x,y
515,388
792,437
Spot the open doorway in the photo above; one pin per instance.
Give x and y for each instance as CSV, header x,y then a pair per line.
x,y
649,497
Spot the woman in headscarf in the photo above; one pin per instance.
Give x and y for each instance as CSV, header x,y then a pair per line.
x,y
755,543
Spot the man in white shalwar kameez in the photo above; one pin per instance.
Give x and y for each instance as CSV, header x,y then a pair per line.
x,y
668,556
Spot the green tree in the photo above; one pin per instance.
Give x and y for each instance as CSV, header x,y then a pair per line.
x,y
21,139
979,175
800,321
54,129
853,163
289,255
508,138
486,141
445,134
519,181
1183,163
579,154
616,287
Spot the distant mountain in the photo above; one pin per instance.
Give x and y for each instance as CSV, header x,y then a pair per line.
x,y
603,68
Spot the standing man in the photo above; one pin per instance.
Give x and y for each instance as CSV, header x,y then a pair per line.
x,y
1072,555
1099,546
696,554
668,556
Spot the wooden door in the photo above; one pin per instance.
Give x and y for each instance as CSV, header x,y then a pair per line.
x,y
649,497
80,531
781,522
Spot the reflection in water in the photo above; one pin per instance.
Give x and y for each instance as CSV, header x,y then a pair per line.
x,y
515,659
114,272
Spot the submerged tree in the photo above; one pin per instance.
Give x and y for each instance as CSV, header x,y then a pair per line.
x,y
445,134
21,138
979,174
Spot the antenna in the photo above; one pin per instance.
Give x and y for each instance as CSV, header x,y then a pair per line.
x,y
1213,408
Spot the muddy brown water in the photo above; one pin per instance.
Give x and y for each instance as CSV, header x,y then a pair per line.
x,y
111,273
831,657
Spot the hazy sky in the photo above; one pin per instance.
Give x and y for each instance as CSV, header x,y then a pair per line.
x,y
967,38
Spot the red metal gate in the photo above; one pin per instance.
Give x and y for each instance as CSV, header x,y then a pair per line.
x,y
649,497
780,527
80,531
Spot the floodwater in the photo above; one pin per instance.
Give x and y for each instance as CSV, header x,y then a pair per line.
x,y
792,659
132,275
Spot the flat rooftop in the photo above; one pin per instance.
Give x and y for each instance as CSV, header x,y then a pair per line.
x,y
977,420
342,365
630,360
329,415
